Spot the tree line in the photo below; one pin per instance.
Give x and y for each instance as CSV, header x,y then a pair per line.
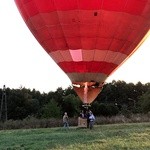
x,y
117,97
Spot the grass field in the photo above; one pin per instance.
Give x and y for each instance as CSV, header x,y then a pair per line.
x,y
135,136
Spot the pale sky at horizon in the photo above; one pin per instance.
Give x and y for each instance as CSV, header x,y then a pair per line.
x,y
23,62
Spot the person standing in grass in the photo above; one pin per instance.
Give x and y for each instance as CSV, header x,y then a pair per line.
x,y
65,120
87,117
91,119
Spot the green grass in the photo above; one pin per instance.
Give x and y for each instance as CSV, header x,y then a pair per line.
x,y
135,136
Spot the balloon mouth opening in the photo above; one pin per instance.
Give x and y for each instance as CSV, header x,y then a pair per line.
x,y
87,91
91,84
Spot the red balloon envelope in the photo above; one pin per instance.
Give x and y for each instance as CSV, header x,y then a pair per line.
x,y
88,39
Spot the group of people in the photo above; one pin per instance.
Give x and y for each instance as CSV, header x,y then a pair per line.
x,y
90,118
86,115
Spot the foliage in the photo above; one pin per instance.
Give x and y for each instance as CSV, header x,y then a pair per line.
x,y
70,105
103,109
145,102
117,97
51,110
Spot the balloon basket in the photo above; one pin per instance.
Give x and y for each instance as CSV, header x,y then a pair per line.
x,y
82,122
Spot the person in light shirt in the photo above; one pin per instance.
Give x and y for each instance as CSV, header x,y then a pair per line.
x,y
65,120
91,119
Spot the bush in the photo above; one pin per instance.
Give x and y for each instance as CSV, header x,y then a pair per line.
x,y
32,122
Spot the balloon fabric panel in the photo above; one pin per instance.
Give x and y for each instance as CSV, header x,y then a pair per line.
x,y
87,39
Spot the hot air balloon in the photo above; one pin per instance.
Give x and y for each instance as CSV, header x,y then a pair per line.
x,y
88,39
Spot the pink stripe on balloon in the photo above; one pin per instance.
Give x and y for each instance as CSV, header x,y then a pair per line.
x,y
76,55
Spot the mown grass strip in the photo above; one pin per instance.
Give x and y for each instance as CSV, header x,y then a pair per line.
x,y
135,136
